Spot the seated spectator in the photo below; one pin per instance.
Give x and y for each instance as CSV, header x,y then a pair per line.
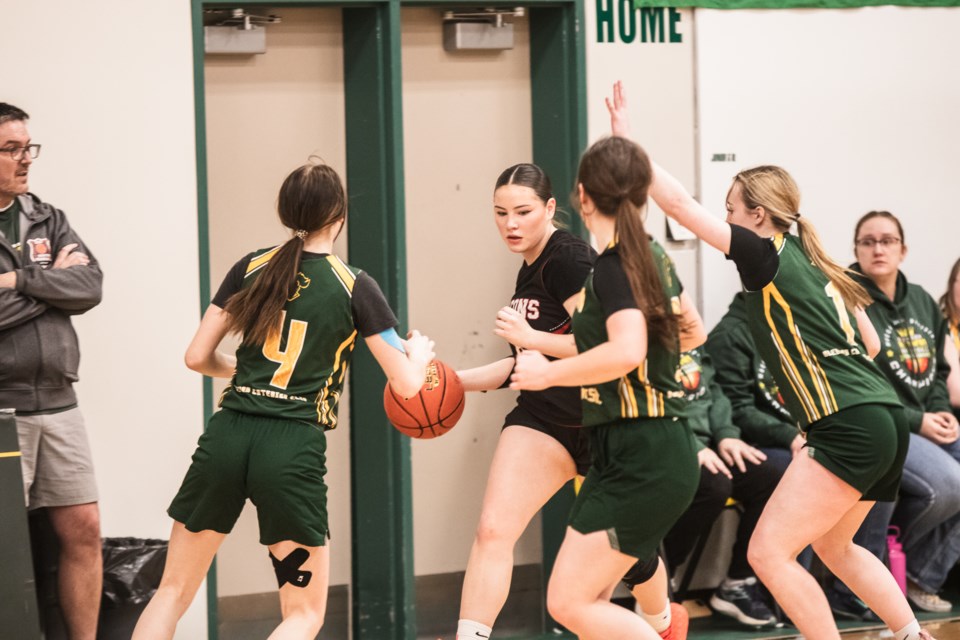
x,y
758,410
950,305
912,332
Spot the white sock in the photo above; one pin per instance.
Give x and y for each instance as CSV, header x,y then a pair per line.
x,y
909,632
469,630
659,621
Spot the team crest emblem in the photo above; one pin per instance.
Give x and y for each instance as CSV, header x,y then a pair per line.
x,y
302,283
909,353
40,251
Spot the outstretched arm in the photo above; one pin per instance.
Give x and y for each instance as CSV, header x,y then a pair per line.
x,y
667,191
406,369
624,351
488,377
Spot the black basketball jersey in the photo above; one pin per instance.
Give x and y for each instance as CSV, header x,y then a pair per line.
x,y
542,288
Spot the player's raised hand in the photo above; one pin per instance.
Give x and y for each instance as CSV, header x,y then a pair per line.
x,y
617,106
530,372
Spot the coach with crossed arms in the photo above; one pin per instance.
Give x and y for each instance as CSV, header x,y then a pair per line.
x,y
47,275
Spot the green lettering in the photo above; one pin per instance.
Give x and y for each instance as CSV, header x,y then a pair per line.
x,y
675,36
628,21
652,18
605,19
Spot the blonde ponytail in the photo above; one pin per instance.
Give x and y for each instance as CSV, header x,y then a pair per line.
x,y
774,189
852,293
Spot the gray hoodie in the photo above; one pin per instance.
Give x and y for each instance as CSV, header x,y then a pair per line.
x,y
39,354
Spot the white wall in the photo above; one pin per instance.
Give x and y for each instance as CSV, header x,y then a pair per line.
x,y
859,105
113,108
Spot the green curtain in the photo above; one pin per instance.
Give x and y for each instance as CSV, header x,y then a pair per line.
x,y
792,4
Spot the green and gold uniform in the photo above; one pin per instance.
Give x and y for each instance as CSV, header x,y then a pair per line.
x,y
268,442
811,342
644,470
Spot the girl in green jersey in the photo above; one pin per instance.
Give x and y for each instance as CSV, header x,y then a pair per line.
x,y
644,470
798,307
298,309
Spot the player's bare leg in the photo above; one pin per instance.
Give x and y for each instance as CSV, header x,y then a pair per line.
x,y
188,560
528,468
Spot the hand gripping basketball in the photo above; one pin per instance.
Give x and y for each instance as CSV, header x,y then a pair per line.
x,y
434,410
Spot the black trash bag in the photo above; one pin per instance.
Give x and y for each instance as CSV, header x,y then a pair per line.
x,y
132,568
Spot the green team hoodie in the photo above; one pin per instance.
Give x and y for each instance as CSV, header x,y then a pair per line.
x,y
708,413
912,331
756,405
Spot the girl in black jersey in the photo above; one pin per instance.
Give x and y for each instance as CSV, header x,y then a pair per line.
x,y
298,309
540,448
799,304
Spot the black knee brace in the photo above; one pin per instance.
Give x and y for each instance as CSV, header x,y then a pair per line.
x,y
642,571
288,569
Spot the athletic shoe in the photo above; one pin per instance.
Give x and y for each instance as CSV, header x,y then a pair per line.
x,y
925,635
679,623
744,602
850,607
926,600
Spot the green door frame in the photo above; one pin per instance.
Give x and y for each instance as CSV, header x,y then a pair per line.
x,y
381,495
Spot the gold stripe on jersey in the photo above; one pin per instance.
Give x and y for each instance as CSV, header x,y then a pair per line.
x,y
325,411
831,405
343,273
786,363
817,375
778,242
628,399
258,261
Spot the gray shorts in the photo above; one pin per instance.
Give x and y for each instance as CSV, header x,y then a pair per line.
x,y
56,461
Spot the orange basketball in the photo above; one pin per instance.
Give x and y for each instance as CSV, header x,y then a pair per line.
x,y
434,410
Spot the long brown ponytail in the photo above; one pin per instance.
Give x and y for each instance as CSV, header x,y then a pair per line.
x,y
774,189
616,173
311,198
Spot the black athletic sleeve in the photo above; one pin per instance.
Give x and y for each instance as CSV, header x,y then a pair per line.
x,y
232,282
756,258
611,285
371,311
566,271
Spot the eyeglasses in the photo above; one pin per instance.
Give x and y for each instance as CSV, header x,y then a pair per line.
x,y
870,243
17,153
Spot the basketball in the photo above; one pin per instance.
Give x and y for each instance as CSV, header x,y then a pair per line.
x,y
434,410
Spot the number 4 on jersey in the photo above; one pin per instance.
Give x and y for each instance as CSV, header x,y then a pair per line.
x,y
287,359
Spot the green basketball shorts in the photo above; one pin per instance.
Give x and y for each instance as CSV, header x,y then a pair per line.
x,y
279,464
643,476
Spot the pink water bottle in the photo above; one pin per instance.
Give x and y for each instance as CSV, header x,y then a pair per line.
x,y
896,559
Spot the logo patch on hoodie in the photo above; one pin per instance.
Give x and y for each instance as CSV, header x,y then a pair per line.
x,y
907,347
40,251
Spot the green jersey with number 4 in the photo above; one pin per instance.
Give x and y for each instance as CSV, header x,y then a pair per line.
x,y
810,340
299,371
